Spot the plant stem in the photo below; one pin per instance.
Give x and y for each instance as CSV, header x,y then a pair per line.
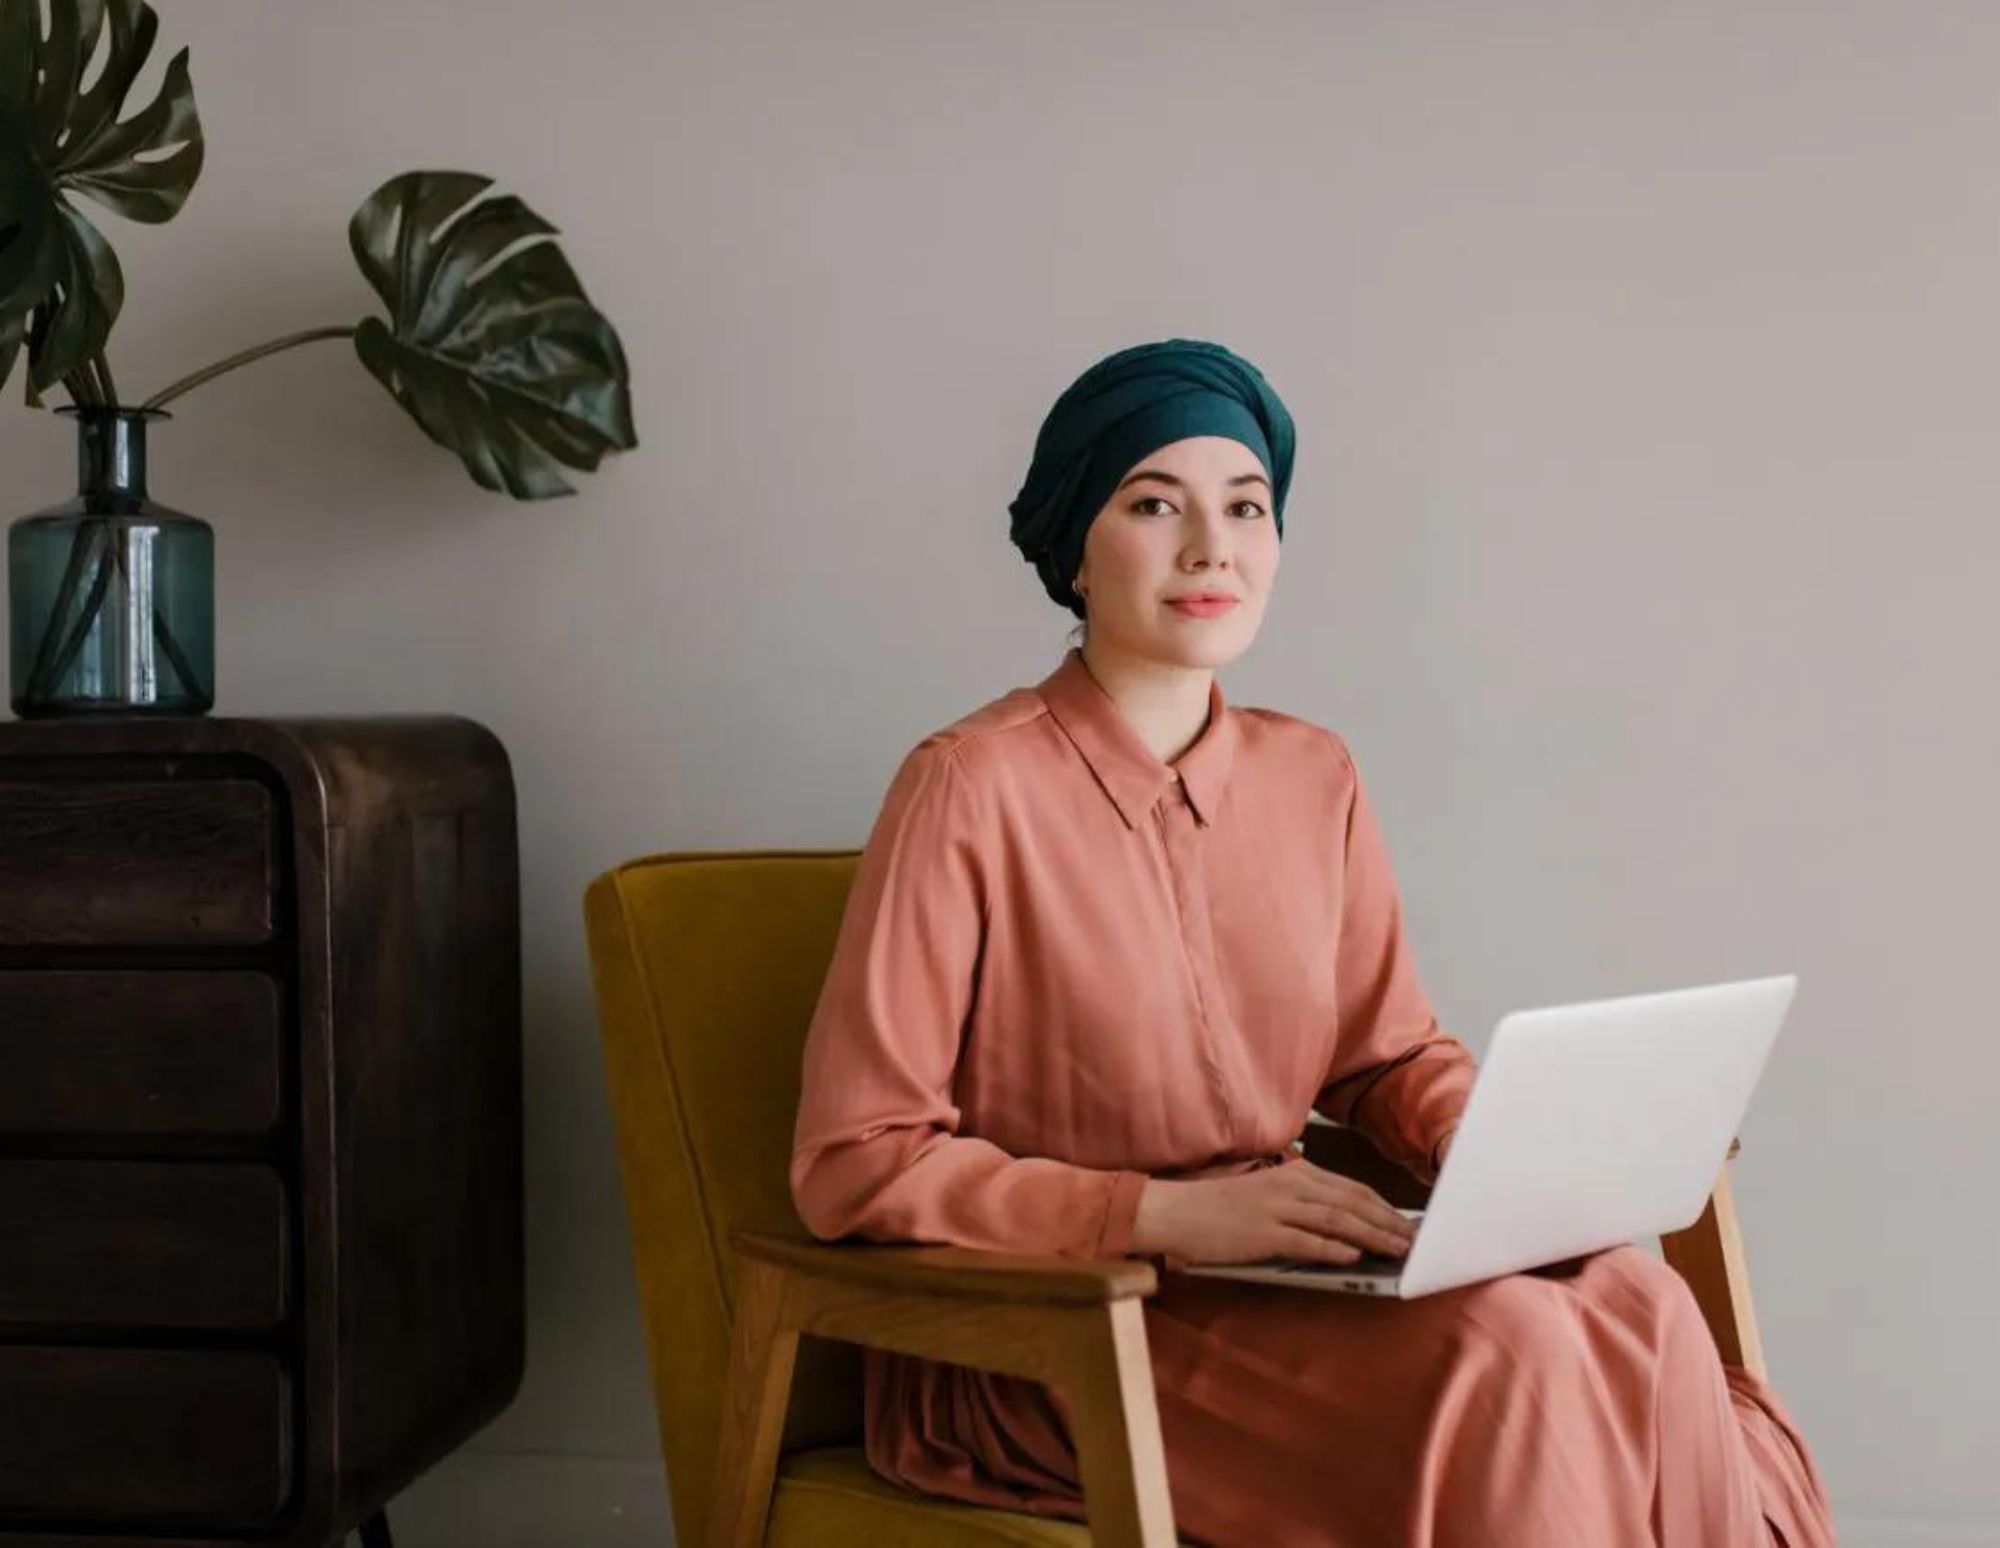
x,y
89,385
82,392
187,383
52,661
100,536
40,677
176,657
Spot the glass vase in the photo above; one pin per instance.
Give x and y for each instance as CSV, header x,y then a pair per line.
x,y
111,595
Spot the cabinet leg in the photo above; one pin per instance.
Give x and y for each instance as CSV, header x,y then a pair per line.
x,y
375,1531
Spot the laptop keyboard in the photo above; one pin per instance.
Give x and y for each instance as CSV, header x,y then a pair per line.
x,y
1367,1263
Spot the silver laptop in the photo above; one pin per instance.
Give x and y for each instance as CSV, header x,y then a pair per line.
x,y
1588,1125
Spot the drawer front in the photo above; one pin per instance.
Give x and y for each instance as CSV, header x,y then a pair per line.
x,y
180,1244
157,1435
136,862
118,1053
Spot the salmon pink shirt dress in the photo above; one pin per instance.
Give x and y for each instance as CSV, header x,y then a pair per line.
x,y
1067,967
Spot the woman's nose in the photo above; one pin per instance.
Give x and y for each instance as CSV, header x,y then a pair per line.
x,y
1211,538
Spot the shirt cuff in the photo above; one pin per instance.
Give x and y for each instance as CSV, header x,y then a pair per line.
x,y
1121,1211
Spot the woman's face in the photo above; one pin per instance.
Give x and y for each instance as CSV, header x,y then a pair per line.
x,y
1192,517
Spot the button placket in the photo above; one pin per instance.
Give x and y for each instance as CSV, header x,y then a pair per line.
x,y
1184,868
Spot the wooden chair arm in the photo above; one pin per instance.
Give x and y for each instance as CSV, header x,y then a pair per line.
x,y
1005,1278
1709,1256
1075,1324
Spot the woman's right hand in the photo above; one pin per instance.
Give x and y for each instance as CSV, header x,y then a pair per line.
x,y
1292,1210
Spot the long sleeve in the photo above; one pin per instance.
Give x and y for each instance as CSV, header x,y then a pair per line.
x,y
1395,1075
876,1150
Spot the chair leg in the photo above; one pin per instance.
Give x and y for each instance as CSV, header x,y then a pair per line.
x,y
1116,1420
375,1531
762,1354
1709,1256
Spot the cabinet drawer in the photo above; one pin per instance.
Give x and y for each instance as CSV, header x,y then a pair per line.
x,y
183,1244
166,1435
135,862
167,1052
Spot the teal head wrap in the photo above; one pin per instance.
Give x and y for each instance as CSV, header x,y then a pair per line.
x,y
1122,408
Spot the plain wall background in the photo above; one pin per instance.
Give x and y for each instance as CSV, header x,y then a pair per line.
x,y
1641,539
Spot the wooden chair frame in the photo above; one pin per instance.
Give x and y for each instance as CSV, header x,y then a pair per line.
x,y
1074,1323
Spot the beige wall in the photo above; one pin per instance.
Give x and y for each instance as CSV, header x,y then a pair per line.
x,y
1641,543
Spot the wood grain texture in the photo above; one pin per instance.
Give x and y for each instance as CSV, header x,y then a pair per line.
x,y
143,1245
1709,1256
267,968
138,860
110,1052
198,1435
996,1278
1075,1324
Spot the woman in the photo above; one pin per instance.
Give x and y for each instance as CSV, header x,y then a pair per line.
x,y
1110,939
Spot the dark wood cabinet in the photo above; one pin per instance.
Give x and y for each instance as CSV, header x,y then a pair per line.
x,y
260,1121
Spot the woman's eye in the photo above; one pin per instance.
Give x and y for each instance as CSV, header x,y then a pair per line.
x,y
1140,505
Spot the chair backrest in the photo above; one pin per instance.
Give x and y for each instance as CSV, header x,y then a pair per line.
x,y
707,967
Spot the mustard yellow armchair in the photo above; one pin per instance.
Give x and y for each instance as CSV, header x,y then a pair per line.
x,y
707,967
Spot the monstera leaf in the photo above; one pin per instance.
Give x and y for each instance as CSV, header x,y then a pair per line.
x,y
56,136
501,359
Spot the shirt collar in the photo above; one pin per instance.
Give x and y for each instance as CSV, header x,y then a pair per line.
x,y
1124,765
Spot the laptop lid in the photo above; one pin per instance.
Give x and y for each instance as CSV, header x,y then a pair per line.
x,y
1594,1123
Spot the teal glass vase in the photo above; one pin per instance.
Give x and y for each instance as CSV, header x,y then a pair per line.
x,y
111,595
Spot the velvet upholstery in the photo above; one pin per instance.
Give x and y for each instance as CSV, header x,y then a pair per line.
x,y
706,967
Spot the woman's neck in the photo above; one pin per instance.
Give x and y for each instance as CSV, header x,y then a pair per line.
x,y
1166,704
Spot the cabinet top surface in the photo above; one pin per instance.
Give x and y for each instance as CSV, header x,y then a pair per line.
x,y
318,750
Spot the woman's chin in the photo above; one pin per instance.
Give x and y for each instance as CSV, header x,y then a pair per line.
x,y
1199,647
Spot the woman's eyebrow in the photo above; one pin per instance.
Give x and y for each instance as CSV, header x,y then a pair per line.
x,y
1168,478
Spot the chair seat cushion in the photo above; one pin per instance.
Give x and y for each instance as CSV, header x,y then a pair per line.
x,y
829,1497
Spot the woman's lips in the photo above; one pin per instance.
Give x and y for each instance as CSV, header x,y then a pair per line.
x,y
1206,608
